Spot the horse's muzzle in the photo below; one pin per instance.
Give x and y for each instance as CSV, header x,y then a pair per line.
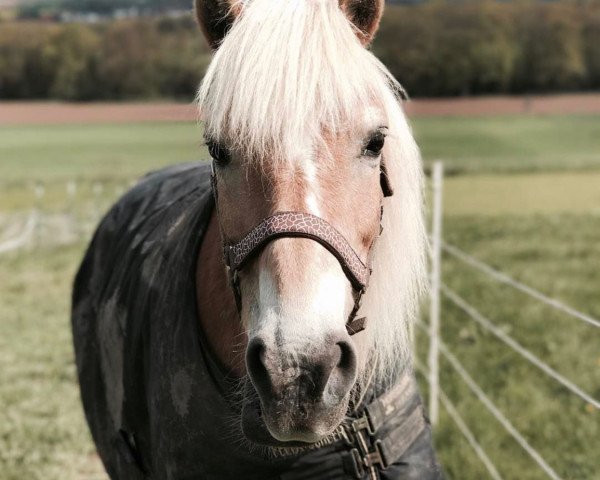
x,y
303,395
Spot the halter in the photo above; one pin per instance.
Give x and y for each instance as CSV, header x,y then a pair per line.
x,y
302,225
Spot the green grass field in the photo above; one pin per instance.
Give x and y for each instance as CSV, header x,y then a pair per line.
x,y
511,144
498,144
110,152
43,434
558,254
527,201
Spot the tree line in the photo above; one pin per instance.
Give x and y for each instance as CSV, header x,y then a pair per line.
x,y
129,59
467,48
49,8
434,49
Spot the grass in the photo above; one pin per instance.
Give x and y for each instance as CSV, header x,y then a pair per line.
x,y
57,153
530,206
498,144
43,434
511,144
481,194
523,194
558,254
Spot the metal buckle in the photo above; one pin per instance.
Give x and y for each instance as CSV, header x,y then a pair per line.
x,y
375,458
367,453
347,436
359,469
363,423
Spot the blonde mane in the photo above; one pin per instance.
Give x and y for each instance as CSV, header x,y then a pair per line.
x,y
290,68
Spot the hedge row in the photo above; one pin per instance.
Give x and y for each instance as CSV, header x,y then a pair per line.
x,y
433,49
492,47
117,60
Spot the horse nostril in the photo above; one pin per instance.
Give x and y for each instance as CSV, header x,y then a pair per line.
x,y
346,365
334,371
255,363
347,356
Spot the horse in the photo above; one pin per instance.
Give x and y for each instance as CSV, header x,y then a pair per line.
x,y
251,317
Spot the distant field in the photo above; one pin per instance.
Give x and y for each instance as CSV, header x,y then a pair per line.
x,y
111,151
50,113
98,151
116,154
523,193
511,143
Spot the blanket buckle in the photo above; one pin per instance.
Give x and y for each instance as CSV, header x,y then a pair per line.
x,y
367,452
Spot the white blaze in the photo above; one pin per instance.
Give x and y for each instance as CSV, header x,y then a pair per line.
x,y
309,169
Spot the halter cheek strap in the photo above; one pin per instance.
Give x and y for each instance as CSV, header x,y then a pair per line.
x,y
303,225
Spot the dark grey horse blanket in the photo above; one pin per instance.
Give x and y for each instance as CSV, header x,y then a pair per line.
x,y
158,404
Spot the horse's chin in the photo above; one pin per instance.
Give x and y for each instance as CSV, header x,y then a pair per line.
x,y
255,430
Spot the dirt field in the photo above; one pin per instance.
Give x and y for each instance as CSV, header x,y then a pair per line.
x,y
588,103
44,113
23,113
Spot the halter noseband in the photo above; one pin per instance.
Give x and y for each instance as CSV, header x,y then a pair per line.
x,y
302,225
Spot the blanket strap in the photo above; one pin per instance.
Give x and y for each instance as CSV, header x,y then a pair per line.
x,y
387,428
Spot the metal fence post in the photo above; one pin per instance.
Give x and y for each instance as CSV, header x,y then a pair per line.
x,y
434,312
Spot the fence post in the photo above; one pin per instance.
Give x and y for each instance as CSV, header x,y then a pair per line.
x,y
39,191
434,309
98,190
71,206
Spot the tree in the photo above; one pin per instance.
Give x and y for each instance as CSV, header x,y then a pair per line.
x,y
591,42
551,53
73,51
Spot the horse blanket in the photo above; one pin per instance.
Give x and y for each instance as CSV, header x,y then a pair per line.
x,y
158,403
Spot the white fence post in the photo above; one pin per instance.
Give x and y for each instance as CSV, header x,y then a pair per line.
x,y
39,190
98,190
436,259
72,208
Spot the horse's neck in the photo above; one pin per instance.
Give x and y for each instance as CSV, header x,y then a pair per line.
x,y
216,305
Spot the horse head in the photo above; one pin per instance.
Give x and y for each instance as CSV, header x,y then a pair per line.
x,y
301,119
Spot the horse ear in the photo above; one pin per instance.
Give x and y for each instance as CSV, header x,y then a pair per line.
x,y
215,18
365,16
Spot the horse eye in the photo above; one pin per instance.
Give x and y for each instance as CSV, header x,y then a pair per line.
x,y
374,145
219,153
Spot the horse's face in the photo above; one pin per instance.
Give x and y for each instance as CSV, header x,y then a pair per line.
x,y
295,297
